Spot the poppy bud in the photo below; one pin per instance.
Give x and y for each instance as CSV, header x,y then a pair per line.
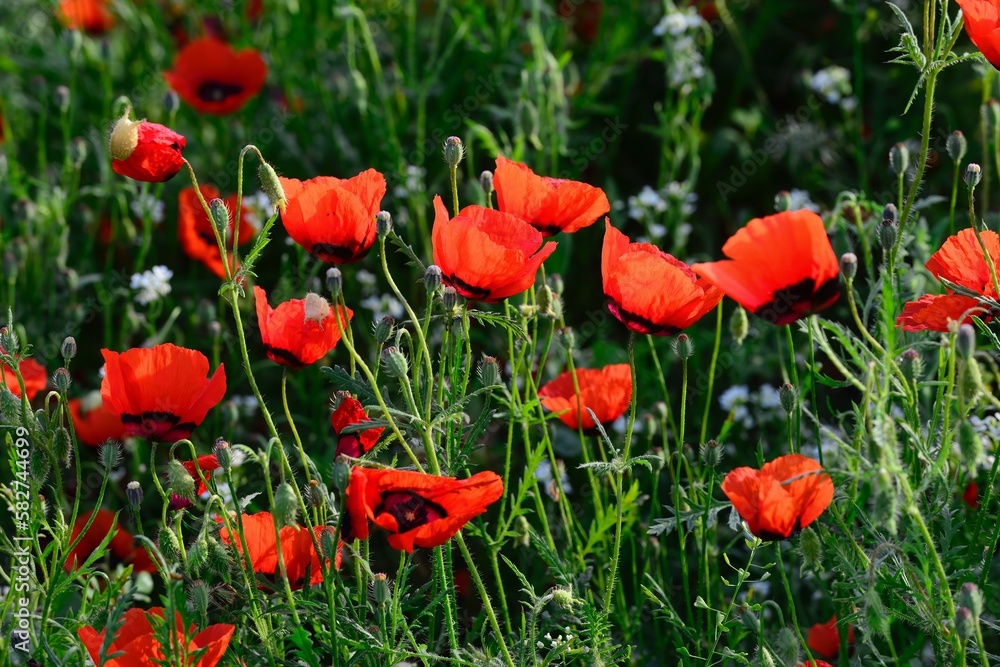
x,y
786,644
739,325
890,214
556,281
486,181
563,597
433,278
749,618
383,223
683,346
782,201
171,101
168,544
911,364
812,550
568,337
489,372
334,281
849,265
380,586
271,186
965,623
62,445
181,481
62,98
133,492
197,555
384,329
887,234
788,398
973,174
78,151
62,380
9,341
527,310
394,362
544,300
766,659
956,146
317,494
970,597
68,348
286,505
711,453
970,445
449,299
965,341
223,454
110,455
220,216
454,151
899,158
328,543
341,475
198,595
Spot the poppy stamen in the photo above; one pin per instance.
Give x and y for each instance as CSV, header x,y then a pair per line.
x,y
410,510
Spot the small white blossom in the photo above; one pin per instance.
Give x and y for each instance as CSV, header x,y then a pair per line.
x,y
151,285
383,305
833,84
799,199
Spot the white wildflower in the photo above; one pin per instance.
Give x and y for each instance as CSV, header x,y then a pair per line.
x,y
151,285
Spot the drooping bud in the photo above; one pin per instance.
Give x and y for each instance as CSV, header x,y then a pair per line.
x,y
433,278
965,341
383,223
788,397
486,182
380,587
394,362
899,158
124,136
489,372
786,644
849,265
169,546
223,454
749,618
811,548
766,659
970,597
220,216
453,151
782,201
334,281
970,445
683,346
739,325
68,348
180,479
384,329
973,174
711,454
110,455
286,505
271,186
133,492
956,146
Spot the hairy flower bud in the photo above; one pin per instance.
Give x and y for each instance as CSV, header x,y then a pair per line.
x,y
965,341
486,182
899,158
811,548
180,479
890,214
124,136
328,543
973,174
788,397
965,623
956,146
454,151
110,455
911,364
68,349
223,454
739,325
849,265
543,299
710,453
271,186
198,596
394,362
380,588
887,234
749,619
563,597
449,299
489,372
786,644
341,475
683,346
62,380
384,329
169,546
383,223
970,445
220,216
286,505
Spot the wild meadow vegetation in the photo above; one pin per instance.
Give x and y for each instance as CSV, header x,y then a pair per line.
x,y
504,332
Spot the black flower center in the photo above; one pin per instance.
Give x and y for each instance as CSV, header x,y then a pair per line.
x,y
218,91
410,510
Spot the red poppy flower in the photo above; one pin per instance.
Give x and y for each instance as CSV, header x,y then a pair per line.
x,y
122,546
208,464
139,646
296,548
213,78
299,332
487,255
550,205
780,267
34,376
785,495
348,413
419,510
145,151
195,228
607,391
959,260
982,23
814,663
162,392
649,291
971,495
90,16
94,424
824,638
333,218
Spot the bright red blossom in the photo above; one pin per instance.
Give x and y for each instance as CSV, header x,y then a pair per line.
x,y
607,391
196,233
982,23
649,291
550,205
90,16
781,267
418,510
145,151
959,260
299,332
971,495
34,376
160,393
122,545
349,413
297,548
94,424
785,495
213,78
137,641
333,218
824,638
487,255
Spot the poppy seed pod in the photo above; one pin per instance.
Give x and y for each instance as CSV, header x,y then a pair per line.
x,y
788,398
334,281
683,346
133,492
394,362
454,151
220,217
384,329
956,146
782,201
899,158
271,185
180,479
68,348
286,505
433,278
973,174
849,265
383,223
486,181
